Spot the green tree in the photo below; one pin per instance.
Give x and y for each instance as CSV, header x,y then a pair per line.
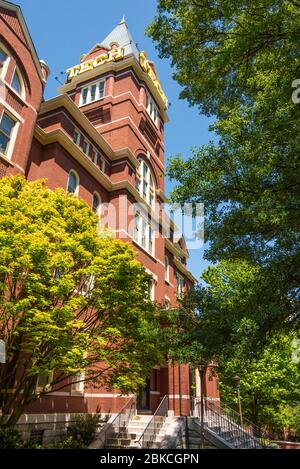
x,y
70,300
269,386
234,327
237,60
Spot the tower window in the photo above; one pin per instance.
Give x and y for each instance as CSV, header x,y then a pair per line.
x,y
76,137
6,128
92,93
86,147
73,183
144,183
152,109
143,232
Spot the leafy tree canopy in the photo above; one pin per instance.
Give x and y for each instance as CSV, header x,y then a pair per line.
x,y
237,60
70,300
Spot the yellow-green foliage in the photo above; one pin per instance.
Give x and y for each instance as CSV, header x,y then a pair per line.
x,y
49,248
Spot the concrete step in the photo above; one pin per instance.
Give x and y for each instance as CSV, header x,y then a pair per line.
x,y
121,443
143,418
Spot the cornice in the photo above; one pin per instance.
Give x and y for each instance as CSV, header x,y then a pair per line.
x,y
67,103
184,271
116,67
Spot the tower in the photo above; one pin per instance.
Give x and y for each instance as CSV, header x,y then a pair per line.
x,y
102,138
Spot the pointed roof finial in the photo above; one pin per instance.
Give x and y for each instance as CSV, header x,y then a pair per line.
x,y
122,20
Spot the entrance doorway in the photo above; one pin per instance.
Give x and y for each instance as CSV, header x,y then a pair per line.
x,y
143,398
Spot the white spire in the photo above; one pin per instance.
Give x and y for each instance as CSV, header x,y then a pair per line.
x,y
121,35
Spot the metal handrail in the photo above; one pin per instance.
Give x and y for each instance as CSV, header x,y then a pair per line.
x,y
226,423
149,434
122,419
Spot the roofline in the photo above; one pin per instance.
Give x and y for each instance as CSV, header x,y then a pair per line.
x,y
17,9
129,61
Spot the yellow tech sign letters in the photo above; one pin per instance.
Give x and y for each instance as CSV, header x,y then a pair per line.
x,y
145,64
111,56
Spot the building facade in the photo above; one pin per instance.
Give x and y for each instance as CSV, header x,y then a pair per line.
x,y
102,139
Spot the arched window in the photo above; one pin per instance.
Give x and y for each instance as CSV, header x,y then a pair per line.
x,y
16,83
3,58
96,203
73,183
145,183
167,269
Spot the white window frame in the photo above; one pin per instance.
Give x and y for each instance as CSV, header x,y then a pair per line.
x,y
167,269
19,75
88,88
76,193
180,285
87,152
98,212
141,181
78,387
144,235
152,109
152,291
47,387
3,70
77,142
13,136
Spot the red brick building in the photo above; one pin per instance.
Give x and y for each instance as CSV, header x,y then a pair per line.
x,y
102,139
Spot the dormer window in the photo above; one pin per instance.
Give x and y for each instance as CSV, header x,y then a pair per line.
x,y
92,93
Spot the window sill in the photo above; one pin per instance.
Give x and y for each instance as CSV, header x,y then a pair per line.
x,y
77,393
22,98
5,159
91,102
144,250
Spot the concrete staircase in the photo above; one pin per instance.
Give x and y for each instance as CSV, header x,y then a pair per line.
x,y
129,436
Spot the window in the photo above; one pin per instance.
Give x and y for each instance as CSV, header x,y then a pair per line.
x,y
16,83
152,109
144,183
78,383
6,128
95,157
73,183
152,291
96,203
76,137
3,58
88,285
180,285
92,93
86,147
167,269
44,381
143,233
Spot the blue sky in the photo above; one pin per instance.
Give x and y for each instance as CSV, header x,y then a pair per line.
x,y
63,30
